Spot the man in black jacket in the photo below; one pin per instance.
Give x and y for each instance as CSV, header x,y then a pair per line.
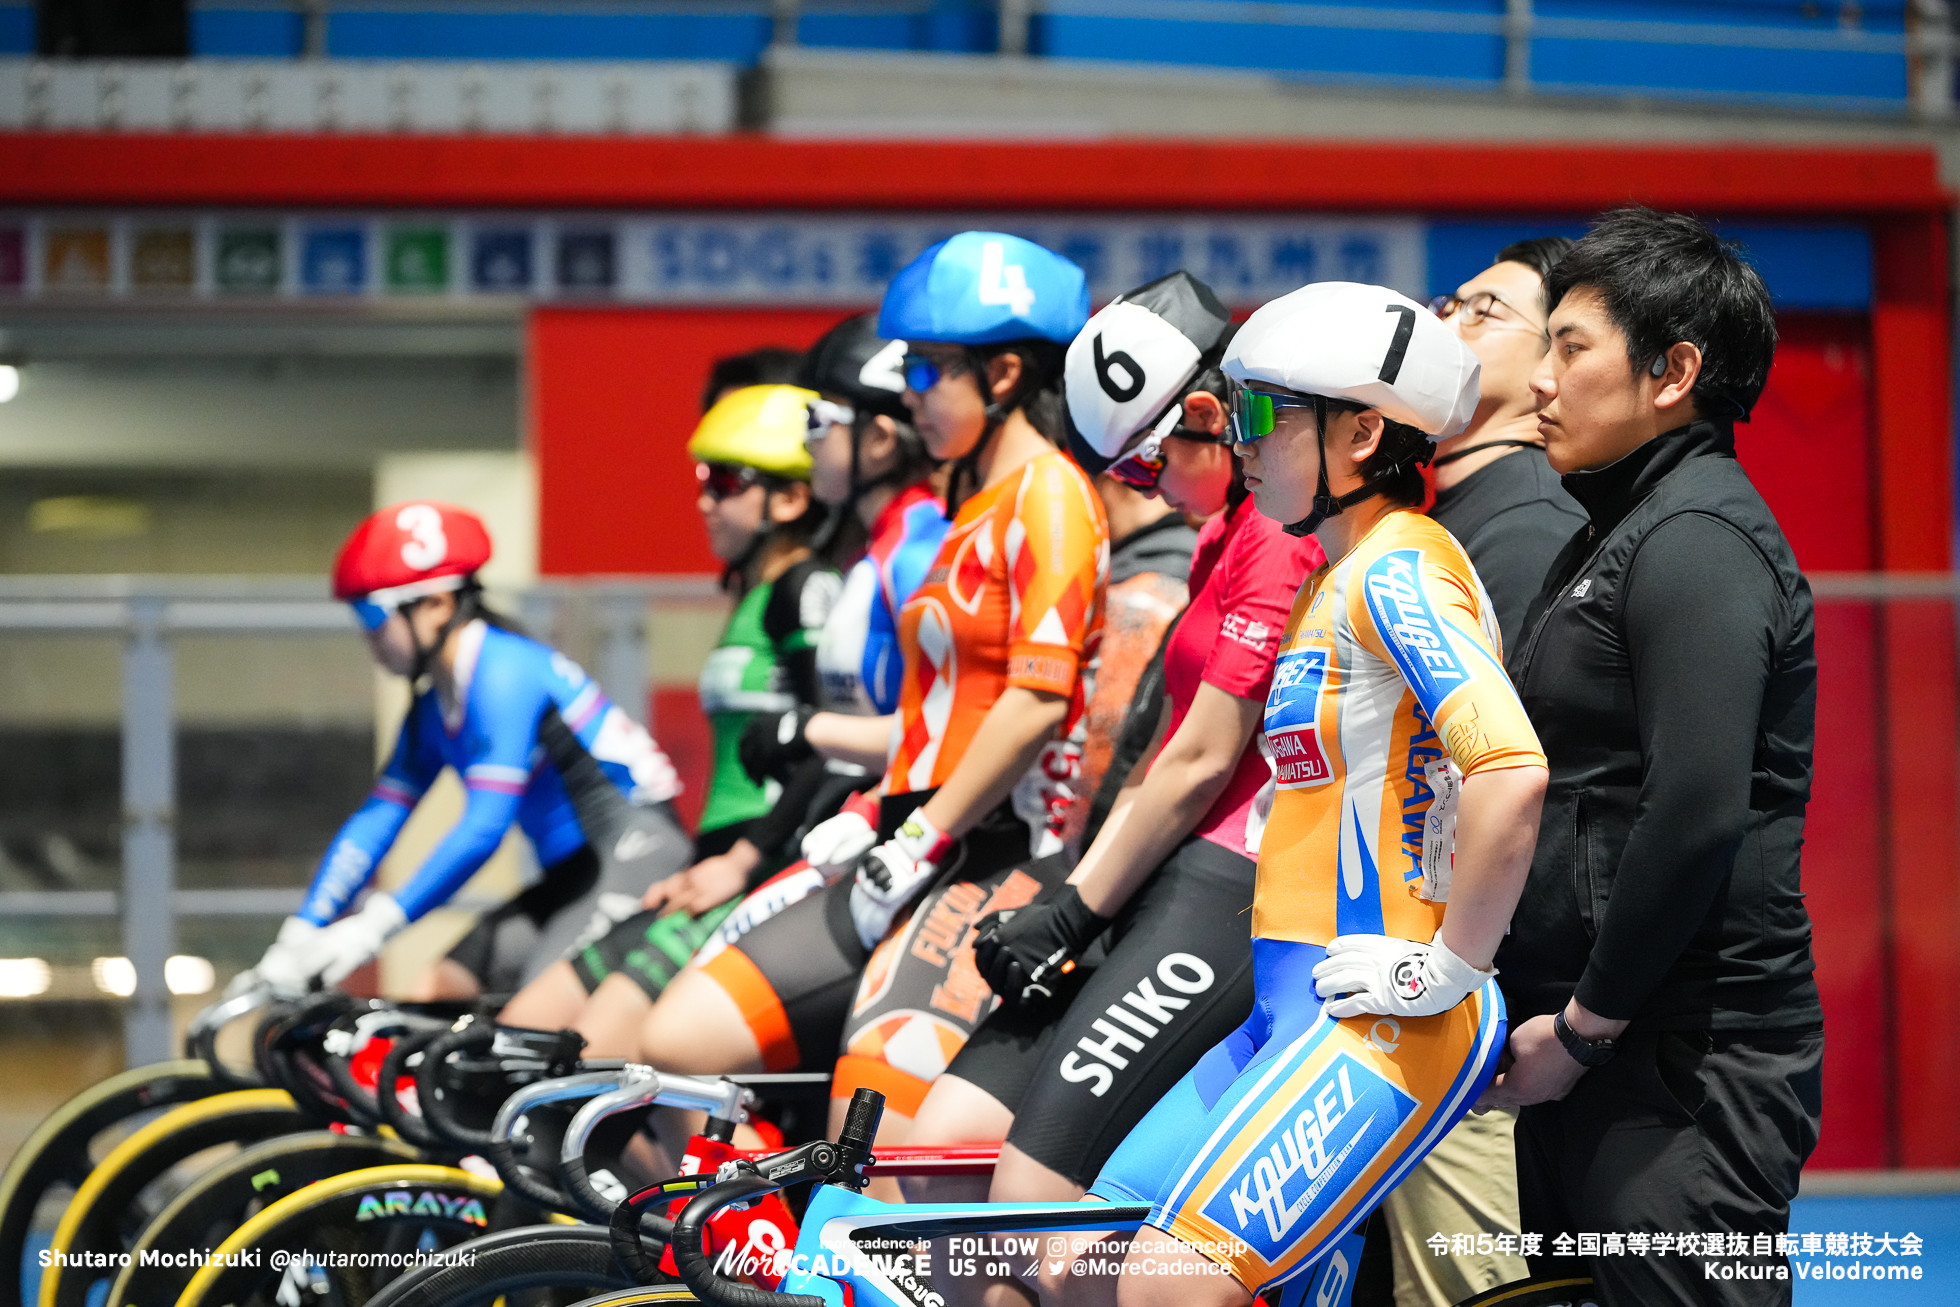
x,y
1667,1036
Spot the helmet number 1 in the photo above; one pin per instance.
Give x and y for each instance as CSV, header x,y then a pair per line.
x,y
426,545
1002,282
1398,347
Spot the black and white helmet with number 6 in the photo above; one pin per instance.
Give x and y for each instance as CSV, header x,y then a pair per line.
x,y
1362,347
1130,364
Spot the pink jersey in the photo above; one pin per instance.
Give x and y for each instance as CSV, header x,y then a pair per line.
x,y
1244,575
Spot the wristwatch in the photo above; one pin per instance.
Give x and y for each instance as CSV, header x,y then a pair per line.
x,y
1586,1052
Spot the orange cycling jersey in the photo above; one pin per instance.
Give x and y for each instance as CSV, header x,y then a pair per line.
x,y
1014,598
1387,691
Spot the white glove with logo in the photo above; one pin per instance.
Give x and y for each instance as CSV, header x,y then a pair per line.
x,y
834,846
1384,976
284,969
892,874
352,942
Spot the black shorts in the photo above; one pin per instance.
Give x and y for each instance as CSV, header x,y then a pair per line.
x,y
794,975
578,900
1078,1079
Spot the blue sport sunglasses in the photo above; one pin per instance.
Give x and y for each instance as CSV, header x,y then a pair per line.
x,y
371,616
921,373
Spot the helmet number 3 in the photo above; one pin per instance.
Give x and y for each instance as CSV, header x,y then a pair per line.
x,y
426,545
1398,346
1002,282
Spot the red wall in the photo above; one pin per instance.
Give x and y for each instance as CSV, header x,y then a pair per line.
x,y
614,395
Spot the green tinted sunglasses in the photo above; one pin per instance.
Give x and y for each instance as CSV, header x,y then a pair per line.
x,y
1255,412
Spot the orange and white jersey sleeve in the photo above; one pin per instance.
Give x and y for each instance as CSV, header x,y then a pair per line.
x,y
1388,691
1014,598
1056,548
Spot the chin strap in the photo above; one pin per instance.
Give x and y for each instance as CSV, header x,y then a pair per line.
x,y
1448,459
464,612
739,566
1326,503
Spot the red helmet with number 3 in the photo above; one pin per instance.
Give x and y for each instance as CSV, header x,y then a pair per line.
x,y
410,550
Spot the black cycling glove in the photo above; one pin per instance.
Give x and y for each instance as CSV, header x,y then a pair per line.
x,y
772,744
1024,952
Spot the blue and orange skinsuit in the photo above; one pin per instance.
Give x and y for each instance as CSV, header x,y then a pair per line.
x,y
1389,688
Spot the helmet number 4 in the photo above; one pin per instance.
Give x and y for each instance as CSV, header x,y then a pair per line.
x,y
426,545
1002,282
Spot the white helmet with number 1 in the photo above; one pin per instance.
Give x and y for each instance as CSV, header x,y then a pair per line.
x,y
1365,344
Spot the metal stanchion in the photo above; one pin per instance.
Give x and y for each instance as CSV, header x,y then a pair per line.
x,y
149,785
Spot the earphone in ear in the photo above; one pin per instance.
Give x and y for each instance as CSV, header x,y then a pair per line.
x,y
1659,367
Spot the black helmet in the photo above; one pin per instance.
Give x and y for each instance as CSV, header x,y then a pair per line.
x,y
853,360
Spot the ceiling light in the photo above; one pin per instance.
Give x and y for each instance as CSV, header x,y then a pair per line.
x,y
115,976
9,382
185,974
24,977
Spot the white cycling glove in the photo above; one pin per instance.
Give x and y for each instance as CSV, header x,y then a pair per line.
x,y
284,970
892,874
1384,976
352,942
834,846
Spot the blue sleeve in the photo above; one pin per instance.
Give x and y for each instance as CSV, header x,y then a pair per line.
x,y
507,700
368,835
901,574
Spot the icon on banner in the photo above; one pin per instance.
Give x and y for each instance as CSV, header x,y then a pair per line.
x,y
333,260
163,259
418,259
248,260
77,259
13,258
586,261
501,260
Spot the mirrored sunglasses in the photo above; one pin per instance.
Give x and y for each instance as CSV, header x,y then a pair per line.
x,y
921,373
823,415
719,481
1255,412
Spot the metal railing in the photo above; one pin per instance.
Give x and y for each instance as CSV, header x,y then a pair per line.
x,y
147,613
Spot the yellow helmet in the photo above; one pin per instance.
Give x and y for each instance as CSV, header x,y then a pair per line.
x,y
760,427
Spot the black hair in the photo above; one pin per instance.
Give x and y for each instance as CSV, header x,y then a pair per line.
x,y
1666,278
772,365
1541,253
1038,396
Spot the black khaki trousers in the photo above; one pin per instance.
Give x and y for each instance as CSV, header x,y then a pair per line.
x,y
1683,1132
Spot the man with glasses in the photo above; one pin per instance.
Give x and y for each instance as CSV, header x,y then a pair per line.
x,y
1494,490
1499,497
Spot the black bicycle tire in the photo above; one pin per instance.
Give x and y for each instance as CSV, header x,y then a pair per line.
x,y
223,1193
431,1196
509,1262
93,1221
56,1151
1562,1291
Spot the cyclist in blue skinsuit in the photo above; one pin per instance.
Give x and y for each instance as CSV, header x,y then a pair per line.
x,y
535,742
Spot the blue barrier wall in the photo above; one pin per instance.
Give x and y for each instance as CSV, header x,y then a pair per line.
x,y
16,29
1810,267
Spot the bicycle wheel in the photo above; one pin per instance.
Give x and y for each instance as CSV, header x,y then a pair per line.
x,y
560,1263
644,1296
334,1243
1566,1291
56,1154
232,1192
103,1220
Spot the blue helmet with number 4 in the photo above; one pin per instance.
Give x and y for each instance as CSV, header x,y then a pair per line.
x,y
983,287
